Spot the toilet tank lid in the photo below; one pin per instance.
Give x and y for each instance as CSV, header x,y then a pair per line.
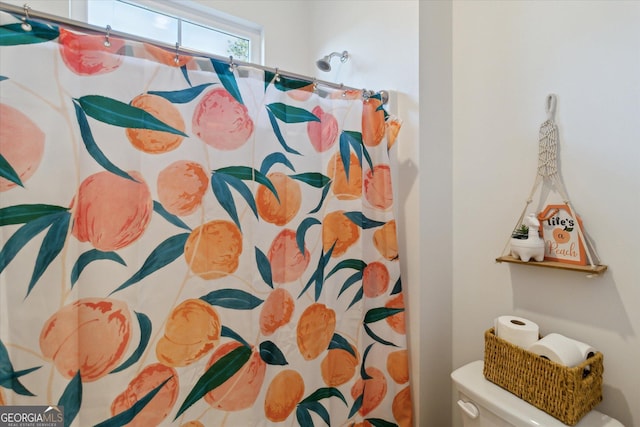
x,y
470,380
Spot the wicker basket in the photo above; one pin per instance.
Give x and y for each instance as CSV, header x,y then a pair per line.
x,y
564,393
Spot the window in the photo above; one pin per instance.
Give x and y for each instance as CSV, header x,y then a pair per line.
x,y
192,25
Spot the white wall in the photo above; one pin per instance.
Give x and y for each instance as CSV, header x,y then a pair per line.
x,y
434,216
507,56
285,25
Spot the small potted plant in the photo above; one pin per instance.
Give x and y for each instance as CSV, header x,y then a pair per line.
x,y
521,232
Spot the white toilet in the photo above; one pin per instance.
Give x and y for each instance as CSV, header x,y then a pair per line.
x,y
485,404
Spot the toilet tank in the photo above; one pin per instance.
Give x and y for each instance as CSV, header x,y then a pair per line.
x,y
485,404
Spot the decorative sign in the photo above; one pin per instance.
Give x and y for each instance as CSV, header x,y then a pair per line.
x,y
560,233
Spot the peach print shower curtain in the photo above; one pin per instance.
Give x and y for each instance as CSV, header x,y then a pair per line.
x,y
189,243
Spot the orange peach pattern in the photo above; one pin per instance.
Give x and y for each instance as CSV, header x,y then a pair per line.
x,y
111,212
402,409
213,249
339,366
89,336
397,321
323,134
393,128
377,187
153,141
339,232
192,243
302,94
276,311
375,279
315,330
281,210
385,240
242,389
88,55
168,58
182,186
373,122
372,389
398,366
345,188
284,393
21,144
192,330
287,262
221,121
159,407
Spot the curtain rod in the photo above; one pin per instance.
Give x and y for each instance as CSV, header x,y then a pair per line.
x,y
29,13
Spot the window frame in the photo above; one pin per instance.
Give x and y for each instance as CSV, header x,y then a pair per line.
x,y
195,13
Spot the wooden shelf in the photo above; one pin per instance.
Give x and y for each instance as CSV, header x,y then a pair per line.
x,y
598,269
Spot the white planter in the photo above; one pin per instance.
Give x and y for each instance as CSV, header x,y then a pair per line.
x,y
527,249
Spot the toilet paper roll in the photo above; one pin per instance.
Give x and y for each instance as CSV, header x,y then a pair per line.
x,y
561,349
516,330
586,351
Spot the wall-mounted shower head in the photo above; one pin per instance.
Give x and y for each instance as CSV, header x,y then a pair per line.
x,y
324,64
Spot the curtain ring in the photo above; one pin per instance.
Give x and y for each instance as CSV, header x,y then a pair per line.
x,y
25,25
384,97
366,94
107,42
176,58
344,92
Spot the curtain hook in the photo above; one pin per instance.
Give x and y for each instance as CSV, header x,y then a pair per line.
x,y
176,58
365,95
25,25
277,76
231,64
315,84
384,97
344,92
107,42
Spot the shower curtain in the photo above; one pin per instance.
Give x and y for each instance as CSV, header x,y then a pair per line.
x,y
189,242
